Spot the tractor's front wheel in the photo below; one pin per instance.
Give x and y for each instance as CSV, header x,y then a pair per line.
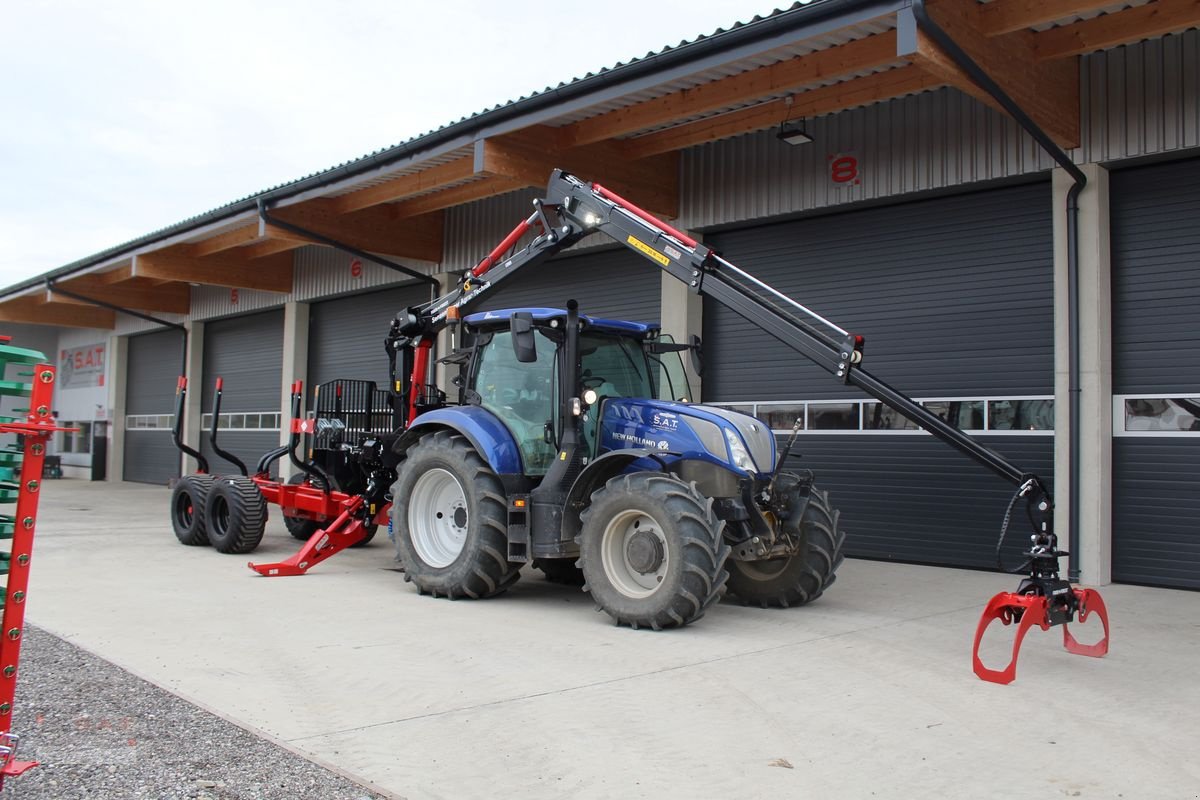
x,y
800,578
651,551
450,519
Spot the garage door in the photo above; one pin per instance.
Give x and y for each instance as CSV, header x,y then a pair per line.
x,y
345,336
247,352
1156,374
615,284
154,362
954,297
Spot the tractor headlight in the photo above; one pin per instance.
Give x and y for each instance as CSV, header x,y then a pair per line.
x,y
738,453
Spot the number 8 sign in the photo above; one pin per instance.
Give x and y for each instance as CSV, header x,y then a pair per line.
x,y
843,169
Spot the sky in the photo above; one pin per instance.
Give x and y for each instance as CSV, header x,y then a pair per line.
x,y
118,118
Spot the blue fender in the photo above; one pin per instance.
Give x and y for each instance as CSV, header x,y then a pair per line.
x,y
491,439
603,469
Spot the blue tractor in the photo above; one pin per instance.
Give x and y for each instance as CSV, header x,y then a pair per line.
x,y
573,444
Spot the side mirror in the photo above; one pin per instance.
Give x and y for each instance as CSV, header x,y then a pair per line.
x,y
697,355
524,343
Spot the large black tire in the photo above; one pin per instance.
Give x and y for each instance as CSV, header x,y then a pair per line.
x,y
802,578
188,499
560,570
303,528
450,519
236,514
651,551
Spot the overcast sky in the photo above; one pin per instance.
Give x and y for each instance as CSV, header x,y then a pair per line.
x,y
126,116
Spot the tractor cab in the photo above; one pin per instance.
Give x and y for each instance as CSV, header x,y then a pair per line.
x,y
518,355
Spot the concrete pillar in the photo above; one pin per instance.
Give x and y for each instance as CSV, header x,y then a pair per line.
x,y
118,371
192,411
295,368
1095,337
444,346
682,314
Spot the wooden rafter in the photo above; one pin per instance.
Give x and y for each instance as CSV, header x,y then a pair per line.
x,y
226,241
785,76
1048,92
826,100
30,309
1006,16
405,186
270,247
379,229
139,293
531,155
458,195
271,273
1131,25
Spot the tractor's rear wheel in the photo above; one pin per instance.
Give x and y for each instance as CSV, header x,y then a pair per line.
x,y
450,519
236,514
651,551
798,579
187,509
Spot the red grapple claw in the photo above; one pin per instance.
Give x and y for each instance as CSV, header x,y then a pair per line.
x,y
1090,603
1002,607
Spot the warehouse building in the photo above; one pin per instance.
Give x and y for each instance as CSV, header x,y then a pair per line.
x,y
878,161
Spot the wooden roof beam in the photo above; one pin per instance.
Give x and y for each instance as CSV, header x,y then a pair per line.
x,y
1006,16
173,298
815,102
530,156
226,241
1048,93
1122,27
378,229
271,273
784,76
30,309
489,186
405,186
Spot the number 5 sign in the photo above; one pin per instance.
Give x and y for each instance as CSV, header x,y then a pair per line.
x,y
844,170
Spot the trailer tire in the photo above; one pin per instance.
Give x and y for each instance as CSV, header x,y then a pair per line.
x,y
560,570
301,528
188,500
450,518
652,552
801,578
236,513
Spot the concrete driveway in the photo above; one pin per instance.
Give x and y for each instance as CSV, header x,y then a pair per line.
x,y
866,693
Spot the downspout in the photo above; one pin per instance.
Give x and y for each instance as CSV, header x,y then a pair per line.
x,y
985,82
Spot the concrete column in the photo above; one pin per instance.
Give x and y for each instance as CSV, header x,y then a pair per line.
x,y
118,371
295,368
1095,337
446,282
192,411
682,314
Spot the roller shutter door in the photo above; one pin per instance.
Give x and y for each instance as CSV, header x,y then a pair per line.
x,y
1156,361
345,336
954,296
614,284
247,352
154,362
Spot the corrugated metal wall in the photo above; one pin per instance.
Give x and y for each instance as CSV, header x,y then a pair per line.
x,y
1156,350
154,362
324,272
248,353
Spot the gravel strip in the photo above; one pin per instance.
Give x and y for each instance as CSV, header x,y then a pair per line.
x,y
100,732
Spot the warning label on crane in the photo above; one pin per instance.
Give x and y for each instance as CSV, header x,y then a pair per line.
x,y
647,250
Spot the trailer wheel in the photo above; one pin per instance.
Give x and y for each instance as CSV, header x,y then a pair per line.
x,y
802,578
560,570
300,527
652,552
236,514
188,499
451,520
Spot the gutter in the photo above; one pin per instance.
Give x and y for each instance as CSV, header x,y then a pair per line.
x,y
922,20
799,21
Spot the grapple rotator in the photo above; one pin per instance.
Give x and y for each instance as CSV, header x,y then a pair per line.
x,y
1043,598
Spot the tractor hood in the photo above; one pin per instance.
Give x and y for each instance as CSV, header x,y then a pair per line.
x,y
736,441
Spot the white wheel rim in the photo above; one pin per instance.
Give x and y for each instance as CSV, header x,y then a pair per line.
x,y
438,518
623,531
